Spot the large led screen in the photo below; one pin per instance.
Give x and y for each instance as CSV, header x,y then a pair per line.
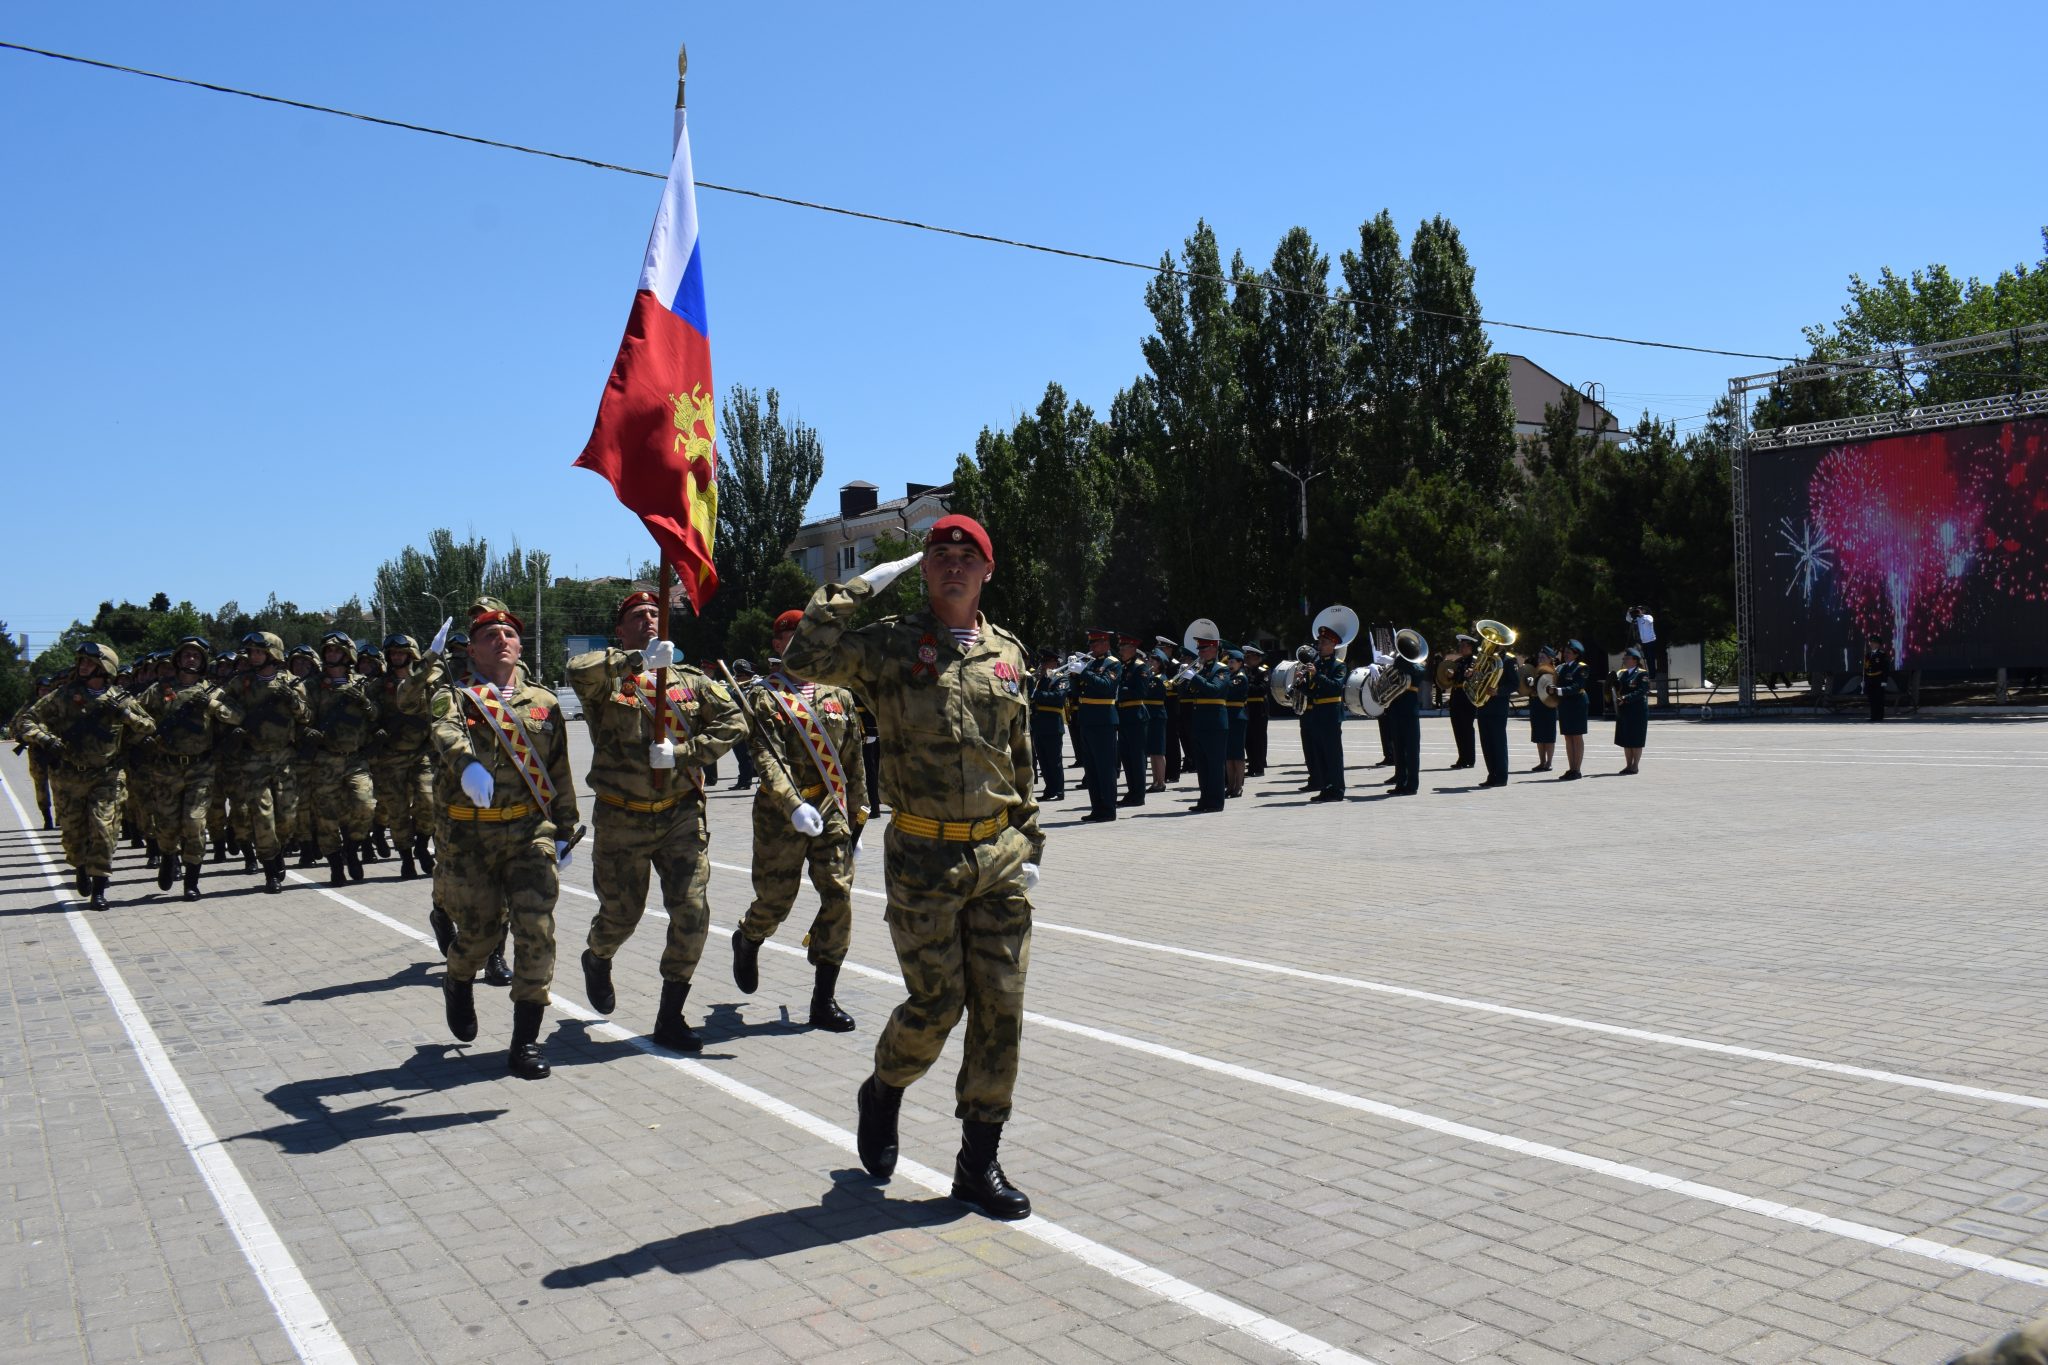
x,y
1934,543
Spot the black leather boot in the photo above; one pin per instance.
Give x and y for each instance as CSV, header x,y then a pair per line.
x,y
192,882
443,927
99,893
249,864
220,848
879,1106
597,983
669,1029
978,1177
365,851
383,845
167,872
352,863
496,973
232,840
525,1060
460,1000
406,870
48,823
423,851
336,876
82,884
825,1011
746,962
308,856
152,859
273,875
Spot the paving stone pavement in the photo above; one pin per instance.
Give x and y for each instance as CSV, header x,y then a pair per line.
x,y
1532,1075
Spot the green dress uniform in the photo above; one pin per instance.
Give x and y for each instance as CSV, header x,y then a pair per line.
x,y
1094,693
1323,726
1207,694
1132,729
1571,698
1632,710
1049,699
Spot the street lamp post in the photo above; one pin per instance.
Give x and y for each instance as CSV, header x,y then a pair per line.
x,y
1302,480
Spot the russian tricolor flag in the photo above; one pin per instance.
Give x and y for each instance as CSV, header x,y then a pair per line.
x,y
656,433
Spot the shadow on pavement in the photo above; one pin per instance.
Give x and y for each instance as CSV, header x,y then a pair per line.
x,y
854,1207
414,974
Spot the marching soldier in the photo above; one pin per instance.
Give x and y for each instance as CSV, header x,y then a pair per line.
x,y
273,708
401,769
1462,711
1093,693
809,735
82,726
1323,721
335,777
38,766
1131,726
192,715
503,759
963,844
295,807
650,804
1258,679
1205,693
1048,724
444,666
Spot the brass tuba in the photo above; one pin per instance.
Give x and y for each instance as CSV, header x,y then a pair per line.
x,y
1490,665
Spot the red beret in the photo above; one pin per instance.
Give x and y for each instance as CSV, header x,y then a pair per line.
x,y
642,598
787,621
959,530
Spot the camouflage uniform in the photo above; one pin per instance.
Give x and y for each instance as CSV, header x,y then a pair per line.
x,y
780,851
499,864
957,727
82,733
38,766
400,767
273,709
640,826
190,718
333,775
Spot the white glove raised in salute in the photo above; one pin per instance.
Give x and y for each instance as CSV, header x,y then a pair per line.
x,y
806,821
882,575
659,654
441,637
478,785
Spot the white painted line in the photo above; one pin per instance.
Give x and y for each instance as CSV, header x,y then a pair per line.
x,y
1215,1307
1752,1054
313,1335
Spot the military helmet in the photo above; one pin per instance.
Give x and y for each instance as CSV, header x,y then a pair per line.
x,y
398,640
109,660
265,641
302,652
370,652
458,641
338,639
223,658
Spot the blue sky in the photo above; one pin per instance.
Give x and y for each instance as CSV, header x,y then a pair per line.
x,y
252,349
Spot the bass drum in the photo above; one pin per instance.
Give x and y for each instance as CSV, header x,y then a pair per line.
x,y
1276,682
1358,697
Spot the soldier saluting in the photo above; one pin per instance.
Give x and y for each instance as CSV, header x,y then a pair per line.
x,y
963,844
499,743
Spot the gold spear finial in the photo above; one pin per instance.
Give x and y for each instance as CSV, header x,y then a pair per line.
x,y
682,71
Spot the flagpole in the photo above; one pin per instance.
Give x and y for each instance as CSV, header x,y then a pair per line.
x,y
667,574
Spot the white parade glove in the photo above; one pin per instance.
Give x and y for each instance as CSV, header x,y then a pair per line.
x,y
806,821
477,784
882,575
1185,673
562,854
661,754
1078,667
441,637
1030,876
660,654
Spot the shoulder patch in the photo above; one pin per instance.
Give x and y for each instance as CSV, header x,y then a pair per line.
x,y
443,703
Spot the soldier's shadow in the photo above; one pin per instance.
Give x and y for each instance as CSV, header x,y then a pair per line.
x,y
723,1023
854,1207
414,974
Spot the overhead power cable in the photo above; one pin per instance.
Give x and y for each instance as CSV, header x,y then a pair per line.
x,y
1268,286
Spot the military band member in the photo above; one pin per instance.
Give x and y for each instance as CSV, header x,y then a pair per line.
x,y
192,715
1049,688
82,727
963,846
1259,681
1205,692
1877,671
1631,709
1323,723
1542,718
503,760
1572,706
1235,698
650,805
1405,727
1462,711
1097,680
1491,720
1156,664
1131,724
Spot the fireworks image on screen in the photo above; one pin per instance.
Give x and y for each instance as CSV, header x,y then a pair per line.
x,y
1906,530
2014,539
1810,552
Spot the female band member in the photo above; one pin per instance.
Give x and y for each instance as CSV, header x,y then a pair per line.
x,y
1571,710
1631,708
1542,718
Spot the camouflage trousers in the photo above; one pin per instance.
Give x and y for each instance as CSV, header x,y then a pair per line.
x,y
181,794
779,857
405,797
255,814
39,776
134,809
674,844
217,802
489,874
337,787
962,928
88,807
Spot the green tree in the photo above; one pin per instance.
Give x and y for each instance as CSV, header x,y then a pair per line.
x,y
16,686
767,471
1462,418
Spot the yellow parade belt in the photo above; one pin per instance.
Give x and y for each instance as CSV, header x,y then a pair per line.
x,y
1126,705
490,815
645,807
952,831
1097,701
1055,710
1326,701
1211,701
